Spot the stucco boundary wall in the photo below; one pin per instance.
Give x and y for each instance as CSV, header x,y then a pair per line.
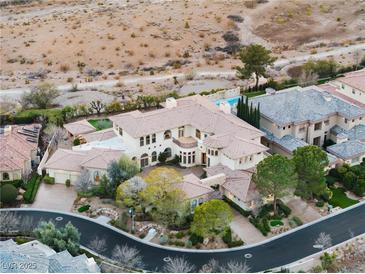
x,y
46,155
307,263
224,94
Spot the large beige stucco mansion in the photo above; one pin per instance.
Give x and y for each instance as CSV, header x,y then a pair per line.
x,y
195,130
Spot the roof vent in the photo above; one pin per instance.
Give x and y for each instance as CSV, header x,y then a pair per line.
x,y
270,91
171,102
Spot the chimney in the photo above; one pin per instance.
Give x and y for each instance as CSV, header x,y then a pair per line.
x,y
171,102
225,107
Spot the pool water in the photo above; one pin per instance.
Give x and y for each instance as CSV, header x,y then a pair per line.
x,y
232,101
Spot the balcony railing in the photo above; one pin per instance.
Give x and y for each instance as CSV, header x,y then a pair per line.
x,y
186,142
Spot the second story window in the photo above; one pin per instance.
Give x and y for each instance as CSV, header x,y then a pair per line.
x,y
181,131
148,139
153,138
167,134
141,141
318,126
197,133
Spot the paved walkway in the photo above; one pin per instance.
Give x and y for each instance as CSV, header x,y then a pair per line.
x,y
302,210
55,197
245,230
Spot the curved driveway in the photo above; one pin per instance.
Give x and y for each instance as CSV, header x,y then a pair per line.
x,y
280,251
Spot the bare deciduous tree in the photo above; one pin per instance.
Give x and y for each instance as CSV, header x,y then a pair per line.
x,y
84,182
324,240
55,132
178,265
9,221
97,106
235,267
307,78
98,245
128,256
134,185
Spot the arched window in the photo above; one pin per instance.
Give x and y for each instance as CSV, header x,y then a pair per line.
x,y
144,160
197,134
154,156
6,176
167,134
168,152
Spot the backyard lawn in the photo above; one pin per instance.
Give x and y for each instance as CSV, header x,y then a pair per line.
x,y
101,124
339,198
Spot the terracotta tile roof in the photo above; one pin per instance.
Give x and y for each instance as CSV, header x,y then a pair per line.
x,y
79,127
334,91
193,188
194,110
355,79
15,149
238,182
69,160
100,135
234,147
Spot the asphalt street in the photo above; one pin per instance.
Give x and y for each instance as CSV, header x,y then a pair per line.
x,y
277,252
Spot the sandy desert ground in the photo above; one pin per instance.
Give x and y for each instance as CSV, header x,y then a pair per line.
x,y
83,40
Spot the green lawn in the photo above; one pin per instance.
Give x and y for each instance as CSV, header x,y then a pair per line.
x,y
340,199
254,93
101,124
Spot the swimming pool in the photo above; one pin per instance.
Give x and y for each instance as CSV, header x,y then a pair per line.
x,y
232,101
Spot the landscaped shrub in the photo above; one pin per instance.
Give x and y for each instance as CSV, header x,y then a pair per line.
x,y
235,243
8,193
48,180
121,222
331,180
189,244
320,203
32,188
284,208
180,235
227,236
21,240
276,223
297,221
261,224
76,142
16,183
164,239
141,236
68,183
83,208
195,239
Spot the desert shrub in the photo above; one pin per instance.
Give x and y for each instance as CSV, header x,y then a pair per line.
x,y
8,193
320,203
180,235
48,180
227,236
195,239
235,243
21,240
164,239
76,142
331,180
121,222
189,244
297,220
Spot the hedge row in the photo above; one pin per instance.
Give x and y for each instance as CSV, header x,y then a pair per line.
x,y
32,188
16,183
245,213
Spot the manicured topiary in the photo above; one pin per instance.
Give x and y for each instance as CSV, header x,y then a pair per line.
x,y
8,193
48,180
68,183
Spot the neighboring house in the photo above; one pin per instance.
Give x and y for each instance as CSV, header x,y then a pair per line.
x,y
79,127
298,116
67,164
350,87
35,257
195,130
18,150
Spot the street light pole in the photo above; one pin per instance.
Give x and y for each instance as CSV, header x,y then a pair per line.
x,y
132,215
